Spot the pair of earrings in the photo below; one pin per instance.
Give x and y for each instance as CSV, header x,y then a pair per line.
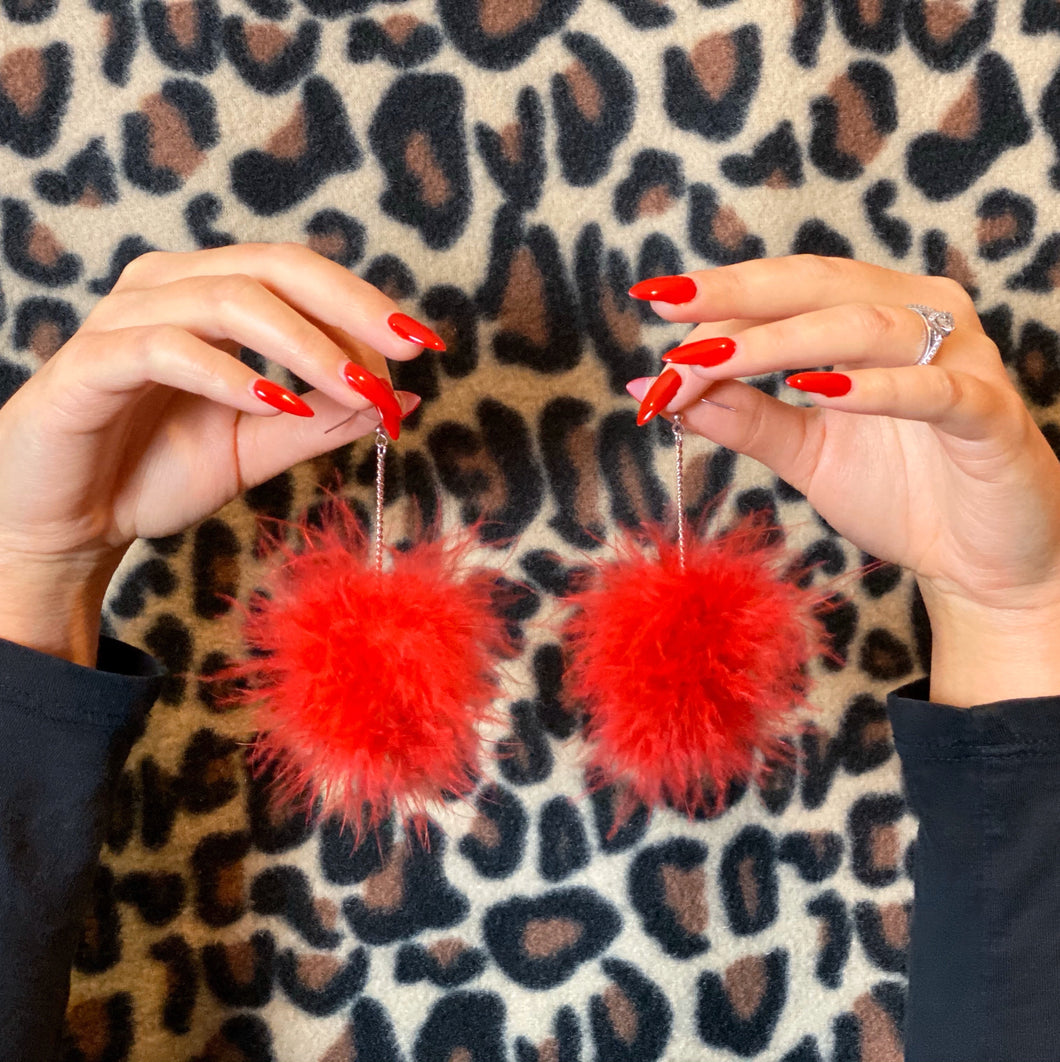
x,y
375,670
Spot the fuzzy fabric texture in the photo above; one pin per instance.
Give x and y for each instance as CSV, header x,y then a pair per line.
x,y
370,688
505,169
691,675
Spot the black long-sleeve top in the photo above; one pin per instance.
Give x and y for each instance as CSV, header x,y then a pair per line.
x,y
985,783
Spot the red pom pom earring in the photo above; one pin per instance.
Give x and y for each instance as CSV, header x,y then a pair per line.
x,y
690,659
371,680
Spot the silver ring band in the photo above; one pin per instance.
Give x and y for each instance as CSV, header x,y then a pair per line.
x,y
938,324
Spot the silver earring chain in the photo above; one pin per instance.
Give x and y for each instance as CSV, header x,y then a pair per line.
x,y
380,472
679,461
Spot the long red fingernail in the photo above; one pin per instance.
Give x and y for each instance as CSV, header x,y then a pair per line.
x,y
379,393
659,395
830,384
703,352
665,289
414,331
280,398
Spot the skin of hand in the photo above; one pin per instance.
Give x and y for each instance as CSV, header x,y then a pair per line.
x,y
145,421
939,468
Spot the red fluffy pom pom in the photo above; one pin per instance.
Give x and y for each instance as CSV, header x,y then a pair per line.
x,y
370,687
689,677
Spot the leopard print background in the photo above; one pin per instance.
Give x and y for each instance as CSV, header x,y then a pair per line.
x,y
505,169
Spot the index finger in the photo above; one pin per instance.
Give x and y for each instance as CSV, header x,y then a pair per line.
x,y
310,283
797,284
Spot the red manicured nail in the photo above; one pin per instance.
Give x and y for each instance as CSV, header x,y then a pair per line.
x,y
703,352
665,289
414,331
280,398
379,393
659,395
830,384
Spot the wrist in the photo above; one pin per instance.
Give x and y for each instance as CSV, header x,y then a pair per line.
x,y
981,654
53,605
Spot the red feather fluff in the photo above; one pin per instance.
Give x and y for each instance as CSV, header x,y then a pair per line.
x,y
370,687
689,677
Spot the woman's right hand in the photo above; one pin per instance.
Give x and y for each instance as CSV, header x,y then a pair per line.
x,y
145,422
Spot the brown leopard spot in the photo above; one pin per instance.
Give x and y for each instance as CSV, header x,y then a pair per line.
x,y
1054,276
1002,227
745,985
581,443
460,1054
240,959
172,146
623,323
89,1027
400,27
446,952
880,1041
894,920
957,268
419,158
630,479
385,890
523,306
544,937
498,18
728,228
586,92
654,201
714,62
548,1051
871,11
485,831
745,874
22,78
90,197
342,1050
621,1013
856,133
289,141
265,41
777,180
328,244
315,971
685,895
512,142
961,121
874,733
1033,365
884,846
107,31
943,18
327,911
818,842
183,19
45,340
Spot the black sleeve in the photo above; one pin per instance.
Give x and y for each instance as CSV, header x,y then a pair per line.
x,y
984,963
64,730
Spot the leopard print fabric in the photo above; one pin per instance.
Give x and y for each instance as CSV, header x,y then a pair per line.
x,y
505,169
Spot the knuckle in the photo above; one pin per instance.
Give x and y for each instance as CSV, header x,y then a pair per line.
x,y
874,322
952,389
231,289
821,268
138,272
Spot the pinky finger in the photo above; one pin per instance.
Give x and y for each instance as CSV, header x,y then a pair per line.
x,y
957,403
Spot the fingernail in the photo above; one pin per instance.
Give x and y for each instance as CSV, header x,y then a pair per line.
x,y
272,394
414,331
665,289
379,393
659,395
703,352
830,384
639,387
409,401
